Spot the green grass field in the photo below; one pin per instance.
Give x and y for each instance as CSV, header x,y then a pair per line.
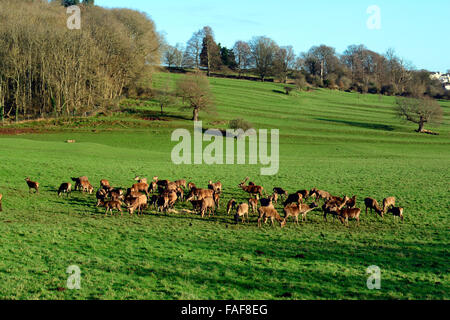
x,y
344,143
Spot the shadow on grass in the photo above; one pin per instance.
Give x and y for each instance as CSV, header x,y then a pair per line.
x,y
365,125
154,115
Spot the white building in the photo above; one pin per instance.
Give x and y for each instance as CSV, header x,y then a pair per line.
x,y
443,78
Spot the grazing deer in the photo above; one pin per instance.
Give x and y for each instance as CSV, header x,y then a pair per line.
x,y
241,211
253,203
32,185
274,197
138,204
330,207
397,212
346,214
294,210
387,203
251,189
1,197
78,185
372,204
231,205
116,194
113,205
65,188
87,187
208,205
266,213
101,197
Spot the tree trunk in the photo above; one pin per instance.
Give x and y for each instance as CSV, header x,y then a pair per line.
x,y
162,112
195,114
421,125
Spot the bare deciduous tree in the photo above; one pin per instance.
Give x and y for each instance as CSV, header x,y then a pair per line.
x,y
243,56
195,92
419,111
263,51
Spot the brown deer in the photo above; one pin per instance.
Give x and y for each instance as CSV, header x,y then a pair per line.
x,y
397,212
372,204
216,197
101,197
65,188
387,203
351,203
191,186
78,181
274,197
208,205
116,194
140,187
87,187
141,180
217,186
172,195
138,204
154,201
346,214
181,183
241,211
253,203
266,213
294,198
294,210
113,205
200,194
304,193
251,189
280,192
267,202
231,205
163,202
196,205
320,194
1,197
32,185
104,184
180,193
331,206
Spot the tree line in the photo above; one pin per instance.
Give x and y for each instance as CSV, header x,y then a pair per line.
x,y
46,69
356,69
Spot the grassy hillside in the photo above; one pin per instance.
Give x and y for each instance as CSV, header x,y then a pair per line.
x,y
341,142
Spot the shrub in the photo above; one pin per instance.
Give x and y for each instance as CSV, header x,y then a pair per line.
x,y
240,124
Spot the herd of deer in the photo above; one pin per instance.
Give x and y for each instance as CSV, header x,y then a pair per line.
x,y
164,194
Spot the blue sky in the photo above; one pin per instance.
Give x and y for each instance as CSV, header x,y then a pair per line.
x,y
418,30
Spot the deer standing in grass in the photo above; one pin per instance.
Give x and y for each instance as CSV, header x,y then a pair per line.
x,y
251,189
32,185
